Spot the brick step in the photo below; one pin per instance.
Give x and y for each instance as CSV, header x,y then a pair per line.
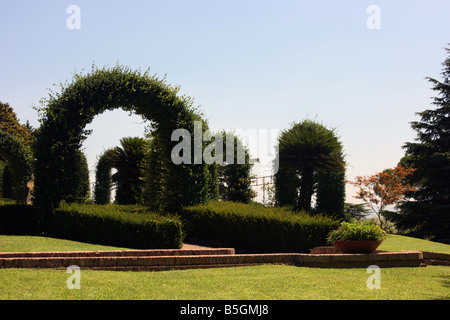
x,y
431,258
169,262
434,258
119,253
157,262
379,258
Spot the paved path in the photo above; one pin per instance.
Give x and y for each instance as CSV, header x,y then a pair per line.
x,y
188,246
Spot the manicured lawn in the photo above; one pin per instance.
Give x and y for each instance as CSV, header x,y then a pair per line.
x,y
39,244
259,282
397,243
247,283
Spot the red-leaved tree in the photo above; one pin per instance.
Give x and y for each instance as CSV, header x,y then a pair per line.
x,y
383,189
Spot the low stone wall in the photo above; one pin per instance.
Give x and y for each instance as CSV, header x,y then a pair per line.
x,y
208,258
434,258
380,259
429,258
118,253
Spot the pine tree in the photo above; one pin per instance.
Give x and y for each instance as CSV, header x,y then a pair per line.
x,y
427,213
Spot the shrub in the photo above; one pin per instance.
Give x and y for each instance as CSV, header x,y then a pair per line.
x,y
65,115
19,160
80,179
330,194
235,177
357,230
256,228
103,180
115,225
17,219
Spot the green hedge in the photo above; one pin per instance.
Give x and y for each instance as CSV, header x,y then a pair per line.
x,y
64,116
257,228
19,160
17,219
123,226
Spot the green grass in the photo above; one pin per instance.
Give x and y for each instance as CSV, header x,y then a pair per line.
x,y
397,243
40,244
266,282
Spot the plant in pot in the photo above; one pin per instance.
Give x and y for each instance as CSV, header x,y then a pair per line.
x,y
357,237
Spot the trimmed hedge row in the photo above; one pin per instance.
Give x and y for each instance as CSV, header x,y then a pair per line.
x,y
249,227
122,226
256,228
17,219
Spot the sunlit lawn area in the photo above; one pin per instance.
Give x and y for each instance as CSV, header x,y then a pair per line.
x,y
39,244
259,282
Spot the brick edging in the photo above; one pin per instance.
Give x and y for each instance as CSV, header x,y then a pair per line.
x,y
435,258
381,259
167,260
118,253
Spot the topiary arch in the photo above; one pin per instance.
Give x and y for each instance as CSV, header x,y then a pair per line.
x,y
66,114
19,159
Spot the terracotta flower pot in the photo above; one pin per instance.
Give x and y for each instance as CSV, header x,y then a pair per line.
x,y
355,246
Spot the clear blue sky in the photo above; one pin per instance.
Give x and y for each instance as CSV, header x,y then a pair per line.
x,y
248,64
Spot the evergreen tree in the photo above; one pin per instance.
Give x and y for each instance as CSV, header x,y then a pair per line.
x,y
286,187
7,184
235,178
427,213
331,194
80,185
304,150
103,179
9,123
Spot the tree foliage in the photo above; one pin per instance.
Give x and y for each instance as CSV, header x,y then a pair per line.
x,y
80,180
427,213
103,179
65,115
235,176
19,160
24,133
305,149
9,123
286,187
6,182
129,161
356,211
383,189
330,195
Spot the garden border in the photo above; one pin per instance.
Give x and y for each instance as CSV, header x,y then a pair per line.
x,y
173,259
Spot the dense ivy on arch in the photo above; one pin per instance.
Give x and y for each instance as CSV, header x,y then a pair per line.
x,y
19,159
66,114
